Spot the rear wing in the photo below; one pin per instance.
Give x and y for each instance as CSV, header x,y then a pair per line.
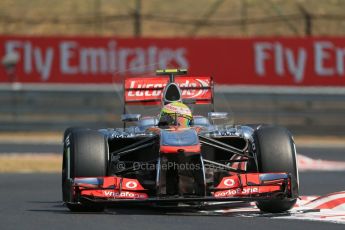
x,y
149,90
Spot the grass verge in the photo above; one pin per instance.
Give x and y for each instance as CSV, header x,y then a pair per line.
x,y
30,163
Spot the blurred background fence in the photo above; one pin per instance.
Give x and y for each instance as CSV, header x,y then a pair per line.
x,y
179,18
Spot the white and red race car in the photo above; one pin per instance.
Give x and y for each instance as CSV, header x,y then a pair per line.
x,y
206,163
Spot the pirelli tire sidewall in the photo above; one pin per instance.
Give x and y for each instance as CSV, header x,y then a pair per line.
x,y
276,152
85,154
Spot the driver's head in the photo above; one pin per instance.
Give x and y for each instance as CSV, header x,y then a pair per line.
x,y
176,113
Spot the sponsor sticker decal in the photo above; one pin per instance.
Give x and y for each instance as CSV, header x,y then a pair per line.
x,y
124,194
131,184
229,182
237,192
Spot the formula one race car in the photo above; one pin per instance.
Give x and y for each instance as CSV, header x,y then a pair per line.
x,y
176,158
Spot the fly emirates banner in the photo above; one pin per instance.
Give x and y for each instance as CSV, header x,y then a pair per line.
x,y
316,61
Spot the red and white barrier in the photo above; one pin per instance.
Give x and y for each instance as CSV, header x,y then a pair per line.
x,y
309,164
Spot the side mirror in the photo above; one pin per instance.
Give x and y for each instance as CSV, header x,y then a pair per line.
x,y
130,117
218,115
219,118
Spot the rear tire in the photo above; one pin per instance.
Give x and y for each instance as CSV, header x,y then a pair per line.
x,y
276,152
85,154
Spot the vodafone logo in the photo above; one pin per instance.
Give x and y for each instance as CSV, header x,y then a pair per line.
x,y
237,192
125,194
229,182
131,184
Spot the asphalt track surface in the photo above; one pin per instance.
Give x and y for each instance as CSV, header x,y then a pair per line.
x,y
33,201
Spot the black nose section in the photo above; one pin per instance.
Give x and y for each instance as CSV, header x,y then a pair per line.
x,y
172,93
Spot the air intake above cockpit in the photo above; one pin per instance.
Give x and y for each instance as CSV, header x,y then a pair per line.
x,y
171,93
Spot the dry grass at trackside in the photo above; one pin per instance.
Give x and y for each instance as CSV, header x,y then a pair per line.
x,y
30,163
51,162
115,17
31,137
56,138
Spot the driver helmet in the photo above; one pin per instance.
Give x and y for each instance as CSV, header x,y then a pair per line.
x,y
176,113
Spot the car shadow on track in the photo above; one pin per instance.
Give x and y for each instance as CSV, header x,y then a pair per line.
x,y
58,207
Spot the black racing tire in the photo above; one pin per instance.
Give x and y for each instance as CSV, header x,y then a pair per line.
x,y
85,154
72,129
276,152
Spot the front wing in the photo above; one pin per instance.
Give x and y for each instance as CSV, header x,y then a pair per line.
x,y
241,187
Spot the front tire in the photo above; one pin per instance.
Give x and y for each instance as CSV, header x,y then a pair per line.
x,y
276,152
85,154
